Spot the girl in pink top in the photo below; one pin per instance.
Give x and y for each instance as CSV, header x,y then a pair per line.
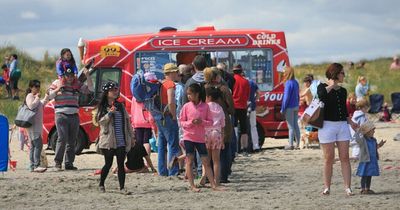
x,y
195,116
214,133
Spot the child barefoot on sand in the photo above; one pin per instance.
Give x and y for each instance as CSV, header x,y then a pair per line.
x,y
368,165
214,133
195,116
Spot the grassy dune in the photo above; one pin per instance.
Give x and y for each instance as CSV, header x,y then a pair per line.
x,y
381,79
43,70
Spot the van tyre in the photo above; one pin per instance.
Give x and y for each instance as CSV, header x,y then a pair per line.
x,y
80,144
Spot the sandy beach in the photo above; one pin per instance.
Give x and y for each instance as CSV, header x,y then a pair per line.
x,y
271,179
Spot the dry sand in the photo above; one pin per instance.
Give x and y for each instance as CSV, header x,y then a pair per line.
x,y
272,179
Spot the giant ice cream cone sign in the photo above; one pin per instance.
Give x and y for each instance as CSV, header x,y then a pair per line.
x,y
81,46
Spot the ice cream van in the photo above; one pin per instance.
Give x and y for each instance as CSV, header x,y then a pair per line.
x,y
262,53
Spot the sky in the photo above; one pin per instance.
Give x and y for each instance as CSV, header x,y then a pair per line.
x,y
316,30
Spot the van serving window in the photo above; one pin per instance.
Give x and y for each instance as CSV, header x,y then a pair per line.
x,y
257,63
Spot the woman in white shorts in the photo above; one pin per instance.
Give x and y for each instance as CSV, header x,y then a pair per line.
x,y
335,129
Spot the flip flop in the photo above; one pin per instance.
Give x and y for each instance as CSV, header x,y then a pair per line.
x,y
349,192
325,192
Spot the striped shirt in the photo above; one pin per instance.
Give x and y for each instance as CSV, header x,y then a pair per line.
x,y
119,128
67,100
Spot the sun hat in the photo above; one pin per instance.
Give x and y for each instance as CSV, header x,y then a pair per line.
x,y
170,67
366,127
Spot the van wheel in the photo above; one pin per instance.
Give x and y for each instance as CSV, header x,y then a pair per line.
x,y
80,144
261,135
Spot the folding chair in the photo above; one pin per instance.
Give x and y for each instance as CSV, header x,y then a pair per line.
x,y
376,103
395,111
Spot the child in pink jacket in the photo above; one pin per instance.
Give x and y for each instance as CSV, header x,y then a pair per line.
x,y
195,116
142,122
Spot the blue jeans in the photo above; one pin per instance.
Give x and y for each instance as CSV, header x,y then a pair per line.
x,y
35,152
168,142
291,115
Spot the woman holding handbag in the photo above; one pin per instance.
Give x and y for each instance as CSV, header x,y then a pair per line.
x,y
34,103
335,130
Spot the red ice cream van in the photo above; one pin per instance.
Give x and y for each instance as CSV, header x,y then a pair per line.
x,y
262,53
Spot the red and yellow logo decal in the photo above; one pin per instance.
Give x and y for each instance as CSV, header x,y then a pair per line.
x,y
110,50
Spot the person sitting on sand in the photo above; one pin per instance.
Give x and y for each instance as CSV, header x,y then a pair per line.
x,y
369,156
135,162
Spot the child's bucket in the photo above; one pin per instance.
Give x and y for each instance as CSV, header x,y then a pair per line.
x,y
13,164
153,144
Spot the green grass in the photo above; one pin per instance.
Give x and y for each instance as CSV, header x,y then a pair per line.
x,y
381,79
43,70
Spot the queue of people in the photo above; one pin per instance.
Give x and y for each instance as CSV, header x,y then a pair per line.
x,y
201,106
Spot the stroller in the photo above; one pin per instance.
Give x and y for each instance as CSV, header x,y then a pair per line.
x,y
376,103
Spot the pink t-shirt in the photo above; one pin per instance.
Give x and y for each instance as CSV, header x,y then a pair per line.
x,y
218,117
141,118
190,112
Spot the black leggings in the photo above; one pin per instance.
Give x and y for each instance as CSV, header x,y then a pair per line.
x,y
365,182
108,158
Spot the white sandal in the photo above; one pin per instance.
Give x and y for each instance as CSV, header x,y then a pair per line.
x,y
326,191
349,192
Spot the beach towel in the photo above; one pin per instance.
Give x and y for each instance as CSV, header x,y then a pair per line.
x,y
3,143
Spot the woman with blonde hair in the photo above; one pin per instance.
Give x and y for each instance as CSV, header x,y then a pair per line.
x,y
362,88
290,106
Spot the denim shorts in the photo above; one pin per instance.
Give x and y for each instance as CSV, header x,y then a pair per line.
x,y
190,146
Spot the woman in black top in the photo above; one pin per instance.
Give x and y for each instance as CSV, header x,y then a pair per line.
x,y
336,126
